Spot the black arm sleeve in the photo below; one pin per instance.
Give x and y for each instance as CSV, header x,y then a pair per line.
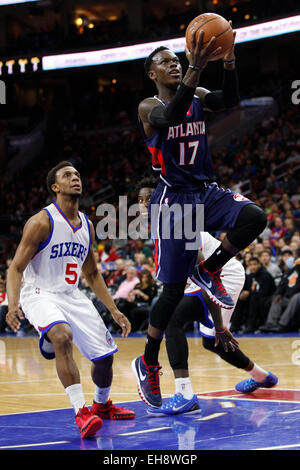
x,y
230,88
228,96
172,115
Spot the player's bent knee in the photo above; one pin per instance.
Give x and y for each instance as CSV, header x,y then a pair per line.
x,y
250,223
61,336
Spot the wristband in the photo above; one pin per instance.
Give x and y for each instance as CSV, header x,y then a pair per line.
x,y
229,62
220,332
195,67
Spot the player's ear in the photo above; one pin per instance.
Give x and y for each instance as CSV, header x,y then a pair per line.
x,y
55,188
152,74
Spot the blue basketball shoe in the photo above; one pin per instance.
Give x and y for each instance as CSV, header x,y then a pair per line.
x,y
213,285
176,405
148,381
250,385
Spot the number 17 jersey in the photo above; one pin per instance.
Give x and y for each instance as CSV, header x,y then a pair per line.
x,y
56,266
181,153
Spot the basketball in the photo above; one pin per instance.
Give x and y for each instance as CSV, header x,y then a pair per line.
x,y
212,25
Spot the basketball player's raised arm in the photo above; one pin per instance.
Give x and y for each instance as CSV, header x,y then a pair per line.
x,y
159,116
98,286
36,230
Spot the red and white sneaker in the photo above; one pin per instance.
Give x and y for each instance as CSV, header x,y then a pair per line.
x,y
87,422
110,411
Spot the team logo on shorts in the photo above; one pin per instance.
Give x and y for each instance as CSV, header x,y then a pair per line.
x,y
109,339
240,198
166,201
37,290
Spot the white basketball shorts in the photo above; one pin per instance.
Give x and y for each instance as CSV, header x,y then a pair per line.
x,y
44,309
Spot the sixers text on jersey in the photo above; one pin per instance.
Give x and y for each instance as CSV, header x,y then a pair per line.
x,y
68,249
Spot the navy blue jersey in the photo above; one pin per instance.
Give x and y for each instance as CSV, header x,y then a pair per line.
x,y
180,153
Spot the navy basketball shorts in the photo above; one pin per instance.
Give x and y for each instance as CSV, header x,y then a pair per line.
x,y
177,219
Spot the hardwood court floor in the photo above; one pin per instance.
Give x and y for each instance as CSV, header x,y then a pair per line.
x,y
29,382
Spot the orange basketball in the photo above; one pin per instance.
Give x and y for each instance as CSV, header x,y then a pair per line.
x,y
212,25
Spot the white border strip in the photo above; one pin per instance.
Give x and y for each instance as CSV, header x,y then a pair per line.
x,y
14,2
140,51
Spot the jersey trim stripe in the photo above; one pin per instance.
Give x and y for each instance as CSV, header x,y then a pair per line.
x,y
105,355
158,159
48,239
89,229
66,218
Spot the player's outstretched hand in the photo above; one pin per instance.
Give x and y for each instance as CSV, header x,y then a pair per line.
x,y
199,56
230,54
226,339
122,321
13,317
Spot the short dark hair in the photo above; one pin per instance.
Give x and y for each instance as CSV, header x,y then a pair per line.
x,y
254,258
148,61
147,182
267,250
52,174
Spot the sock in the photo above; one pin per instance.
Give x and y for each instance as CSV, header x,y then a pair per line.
x,y
76,396
101,394
258,374
217,260
183,385
152,351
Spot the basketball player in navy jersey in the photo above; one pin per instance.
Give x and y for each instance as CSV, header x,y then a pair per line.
x,y
196,306
173,126
56,245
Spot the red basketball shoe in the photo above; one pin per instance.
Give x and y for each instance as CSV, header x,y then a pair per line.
x,y
110,411
87,422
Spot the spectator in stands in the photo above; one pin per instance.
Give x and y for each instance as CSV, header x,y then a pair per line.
x,y
139,259
286,259
127,285
120,274
138,303
108,254
272,268
289,224
256,295
141,248
285,306
278,231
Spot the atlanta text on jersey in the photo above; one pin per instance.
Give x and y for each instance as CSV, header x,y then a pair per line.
x,y
186,129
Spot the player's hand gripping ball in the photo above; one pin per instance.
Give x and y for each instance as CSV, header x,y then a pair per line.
x,y
212,25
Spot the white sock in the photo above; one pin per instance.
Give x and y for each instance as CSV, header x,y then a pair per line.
x,y
183,385
257,373
76,396
101,394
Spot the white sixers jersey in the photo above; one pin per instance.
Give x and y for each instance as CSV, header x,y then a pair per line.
x,y
56,266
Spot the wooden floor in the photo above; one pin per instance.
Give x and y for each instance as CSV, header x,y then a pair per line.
x,y
29,382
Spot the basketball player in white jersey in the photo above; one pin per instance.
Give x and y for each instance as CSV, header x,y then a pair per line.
x,y
194,306
57,243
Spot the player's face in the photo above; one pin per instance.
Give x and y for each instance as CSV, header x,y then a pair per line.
x,y
68,181
144,200
166,68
